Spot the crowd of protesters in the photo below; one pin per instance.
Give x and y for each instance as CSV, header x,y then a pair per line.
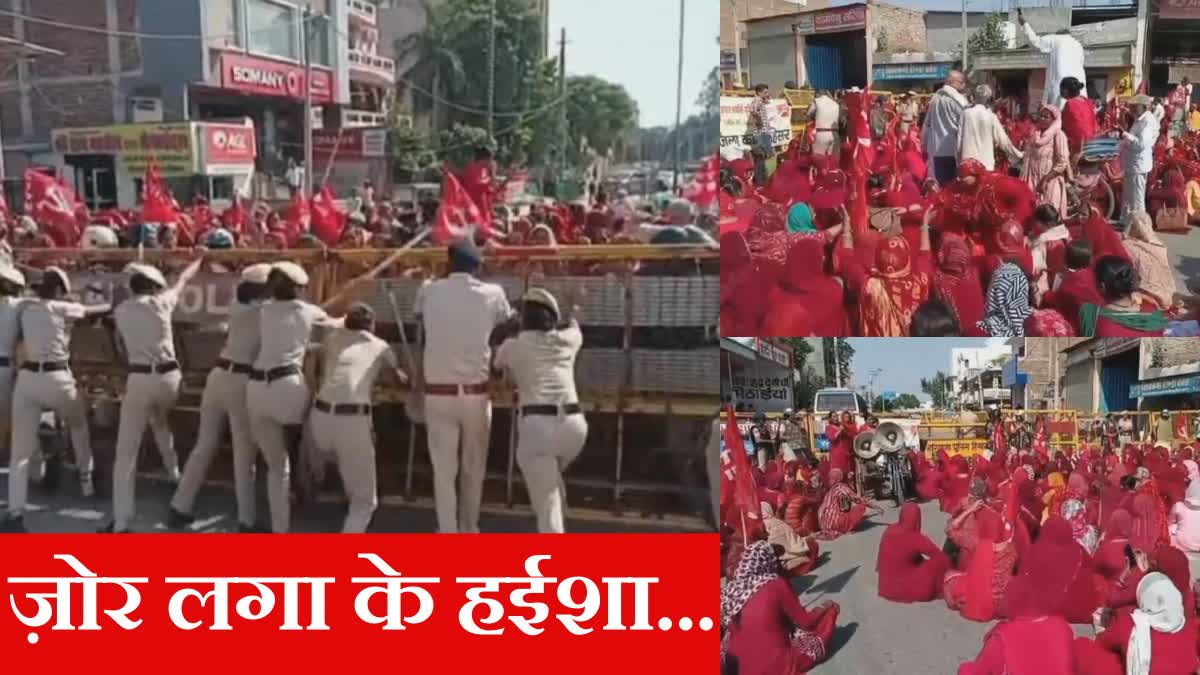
x,y
963,216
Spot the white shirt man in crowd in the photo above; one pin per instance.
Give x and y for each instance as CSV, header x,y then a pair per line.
x,y
943,121
981,132
1064,58
12,285
458,314
552,429
340,421
825,114
1137,157
224,399
45,383
144,325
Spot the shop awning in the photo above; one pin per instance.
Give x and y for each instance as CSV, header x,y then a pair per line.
x,y
1166,386
736,347
1106,56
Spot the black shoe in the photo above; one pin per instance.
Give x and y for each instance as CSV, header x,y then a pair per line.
x,y
252,529
111,528
178,520
13,525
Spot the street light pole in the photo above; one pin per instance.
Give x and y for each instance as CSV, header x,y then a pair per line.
x,y
678,101
964,37
308,104
491,91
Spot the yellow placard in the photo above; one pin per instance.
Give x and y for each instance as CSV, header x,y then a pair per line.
x,y
134,145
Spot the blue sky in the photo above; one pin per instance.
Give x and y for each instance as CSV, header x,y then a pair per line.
x,y
904,361
636,43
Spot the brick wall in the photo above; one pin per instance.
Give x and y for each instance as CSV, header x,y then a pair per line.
x,y
898,29
82,104
758,9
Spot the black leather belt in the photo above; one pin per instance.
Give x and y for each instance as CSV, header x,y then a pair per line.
x,y
273,374
156,369
234,367
551,410
5,362
44,366
342,408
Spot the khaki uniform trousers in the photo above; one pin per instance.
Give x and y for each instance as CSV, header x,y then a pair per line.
x,y
7,380
149,399
351,440
33,394
712,463
546,445
451,419
224,400
273,406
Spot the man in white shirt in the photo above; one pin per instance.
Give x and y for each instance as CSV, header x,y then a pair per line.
x,y
152,387
1064,58
981,132
943,121
457,315
224,399
552,429
12,285
825,115
1137,157
340,421
45,383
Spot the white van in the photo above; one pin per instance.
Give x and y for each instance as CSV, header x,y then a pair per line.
x,y
839,400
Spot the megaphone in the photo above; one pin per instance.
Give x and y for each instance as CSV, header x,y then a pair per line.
x,y
889,438
864,446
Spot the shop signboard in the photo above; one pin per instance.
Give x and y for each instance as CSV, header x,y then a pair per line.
x,y
228,148
735,121
350,144
772,352
728,60
832,20
1179,9
910,71
133,146
252,75
1166,386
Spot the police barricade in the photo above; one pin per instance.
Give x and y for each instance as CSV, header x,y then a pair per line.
x,y
1132,426
646,374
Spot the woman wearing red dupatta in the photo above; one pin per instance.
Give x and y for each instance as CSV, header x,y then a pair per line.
x,y
841,511
893,290
956,282
956,482
1110,560
910,565
742,301
1174,563
790,183
976,591
927,477
1157,638
1033,641
806,287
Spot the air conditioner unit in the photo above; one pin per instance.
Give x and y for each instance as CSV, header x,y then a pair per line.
x,y
147,109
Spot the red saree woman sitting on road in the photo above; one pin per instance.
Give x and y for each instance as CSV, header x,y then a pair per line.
x,y
842,510
976,591
910,565
1033,641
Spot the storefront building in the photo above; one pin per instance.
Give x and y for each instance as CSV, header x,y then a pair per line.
x,y
923,73
756,374
352,156
1174,49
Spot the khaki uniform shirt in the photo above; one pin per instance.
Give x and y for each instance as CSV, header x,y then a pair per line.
x,y
459,313
244,337
285,327
45,328
542,364
144,324
353,360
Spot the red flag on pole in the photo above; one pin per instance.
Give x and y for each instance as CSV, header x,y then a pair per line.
x,y
53,206
458,215
745,496
328,222
702,191
297,218
157,204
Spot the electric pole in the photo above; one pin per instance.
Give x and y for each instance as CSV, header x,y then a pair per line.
x,y
964,36
678,102
562,121
308,104
491,90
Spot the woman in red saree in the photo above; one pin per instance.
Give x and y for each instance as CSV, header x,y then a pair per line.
x,y
1110,560
927,477
742,301
807,287
1157,638
956,483
842,510
1078,114
1032,641
790,183
1172,191
1147,532
910,565
766,630
976,591
893,290
1174,563
956,282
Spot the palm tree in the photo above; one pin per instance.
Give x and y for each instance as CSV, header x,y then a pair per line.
x,y
434,63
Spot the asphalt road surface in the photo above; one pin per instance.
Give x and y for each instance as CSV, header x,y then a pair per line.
x,y
1184,251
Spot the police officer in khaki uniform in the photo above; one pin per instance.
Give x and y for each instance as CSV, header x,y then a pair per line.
x,y
45,383
277,395
458,314
12,285
152,387
225,398
552,429
340,421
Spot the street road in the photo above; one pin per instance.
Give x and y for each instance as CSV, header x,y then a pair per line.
x,y
1185,255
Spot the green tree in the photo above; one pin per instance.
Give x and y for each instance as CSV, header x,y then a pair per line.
x,y
901,402
600,112
434,65
809,380
989,37
940,388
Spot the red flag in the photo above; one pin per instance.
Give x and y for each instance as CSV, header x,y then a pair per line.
x,y
745,496
53,206
328,222
862,157
157,204
457,214
703,189
234,217
297,218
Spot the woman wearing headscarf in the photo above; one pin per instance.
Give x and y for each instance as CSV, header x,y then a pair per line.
x,y
1157,638
1007,304
890,293
1172,191
790,182
1123,313
910,565
1110,561
1156,280
956,282
1086,535
1048,160
804,286
1060,571
1032,641
1146,534
976,591
766,629
956,483
926,476
1174,563
1184,520
842,510
742,300
963,529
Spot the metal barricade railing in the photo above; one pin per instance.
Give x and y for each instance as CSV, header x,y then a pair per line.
x,y
649,316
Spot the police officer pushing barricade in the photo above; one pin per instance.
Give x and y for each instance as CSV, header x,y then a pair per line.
x,y
45,383
552,429
457,315
12,284
340,421
224,400
144,325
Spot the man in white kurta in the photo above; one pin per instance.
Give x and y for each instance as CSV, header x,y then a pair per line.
x,y
1137,157
1064,58
981,132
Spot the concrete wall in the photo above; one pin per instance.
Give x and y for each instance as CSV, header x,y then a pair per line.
x,y
772,61
1079,390
896,29
758,9
1172,352
943,30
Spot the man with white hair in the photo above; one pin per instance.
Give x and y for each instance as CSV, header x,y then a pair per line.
x,y
225,399
144,326
981,132
943,121
1137,157
680,214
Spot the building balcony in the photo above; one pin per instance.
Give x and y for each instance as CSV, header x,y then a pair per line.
x,y
372,68
362,12
362,118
